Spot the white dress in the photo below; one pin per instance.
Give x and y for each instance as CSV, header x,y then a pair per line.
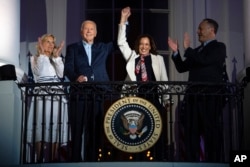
x,y
47,111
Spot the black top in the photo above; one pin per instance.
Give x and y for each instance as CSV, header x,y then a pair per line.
x,y
148,63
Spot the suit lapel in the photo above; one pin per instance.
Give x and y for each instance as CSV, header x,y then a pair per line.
x,y
94,54
81,50
155,66
208,45
131,69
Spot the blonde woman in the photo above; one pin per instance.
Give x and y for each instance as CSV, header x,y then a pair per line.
x,y
48,117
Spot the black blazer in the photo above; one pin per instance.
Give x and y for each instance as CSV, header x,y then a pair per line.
x,y
76,61
205,65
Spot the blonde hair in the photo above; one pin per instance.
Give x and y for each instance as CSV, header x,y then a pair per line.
x,y
43,38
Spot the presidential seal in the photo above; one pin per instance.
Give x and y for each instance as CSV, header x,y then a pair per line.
x,y
132,124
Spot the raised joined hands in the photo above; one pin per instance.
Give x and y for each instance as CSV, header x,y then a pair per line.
x,y
125,13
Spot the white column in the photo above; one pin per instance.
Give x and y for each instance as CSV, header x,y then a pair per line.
x,y
10,32
10,123
246,9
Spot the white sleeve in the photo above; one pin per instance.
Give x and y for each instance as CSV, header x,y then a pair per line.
x,y
59,66
122,42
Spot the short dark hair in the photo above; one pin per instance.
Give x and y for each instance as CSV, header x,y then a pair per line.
x,y
213,23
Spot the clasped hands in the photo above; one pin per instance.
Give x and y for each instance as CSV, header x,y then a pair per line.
x,y
82,78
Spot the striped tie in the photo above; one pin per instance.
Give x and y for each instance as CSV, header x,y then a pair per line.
x,y
141,67
144,75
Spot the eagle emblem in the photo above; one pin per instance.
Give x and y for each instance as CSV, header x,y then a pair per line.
x,y
133,121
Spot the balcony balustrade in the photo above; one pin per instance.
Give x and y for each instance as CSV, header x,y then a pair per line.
x,y
137,121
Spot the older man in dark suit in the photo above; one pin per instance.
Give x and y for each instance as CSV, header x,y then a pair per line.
x,y
85,61
201,115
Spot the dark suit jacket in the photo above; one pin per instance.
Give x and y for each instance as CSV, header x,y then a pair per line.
x,y
76,64
199,112
205,65
76,61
